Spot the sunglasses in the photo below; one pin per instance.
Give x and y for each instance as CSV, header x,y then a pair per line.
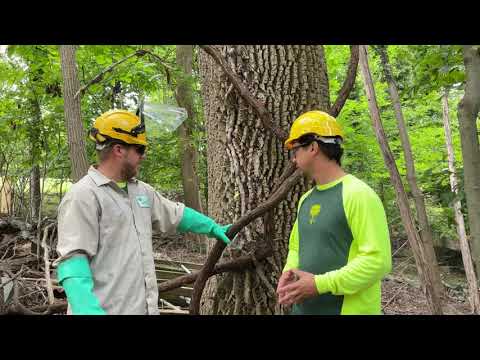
x,y
140,149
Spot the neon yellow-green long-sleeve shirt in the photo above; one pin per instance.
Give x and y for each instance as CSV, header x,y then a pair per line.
x,y
341,235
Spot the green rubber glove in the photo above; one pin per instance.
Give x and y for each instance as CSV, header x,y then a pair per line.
x,y
75,276
195,222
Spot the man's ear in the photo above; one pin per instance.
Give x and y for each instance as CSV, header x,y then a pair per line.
x,y
117,150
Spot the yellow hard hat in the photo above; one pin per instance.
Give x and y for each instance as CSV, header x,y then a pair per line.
x,y
120,125
314,122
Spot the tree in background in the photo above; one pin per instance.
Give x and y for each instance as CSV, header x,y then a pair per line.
x,y
73,119
468,109
457,207
424,225
424,268
188,152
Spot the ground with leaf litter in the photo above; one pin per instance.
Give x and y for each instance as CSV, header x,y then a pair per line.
x,y
401,290
402,293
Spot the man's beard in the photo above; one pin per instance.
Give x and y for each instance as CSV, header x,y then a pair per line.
x,y
128,171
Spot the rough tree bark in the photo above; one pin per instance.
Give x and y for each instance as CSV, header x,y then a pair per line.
x,y
468,109
425,229
423,266
73,120
457,208
188,152
245,159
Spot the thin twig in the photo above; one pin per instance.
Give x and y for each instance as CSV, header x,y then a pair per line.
x,y
12,278
51,298
400,248
171,306
407,262
100,76
138,53
13,239
159,59
395,295
18,307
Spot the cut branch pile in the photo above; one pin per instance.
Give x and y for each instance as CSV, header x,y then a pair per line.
x,y
26,280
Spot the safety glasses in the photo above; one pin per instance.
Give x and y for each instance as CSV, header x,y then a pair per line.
x,y
295,148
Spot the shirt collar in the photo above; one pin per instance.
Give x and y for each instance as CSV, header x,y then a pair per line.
x,y
331,184
101,179
98,177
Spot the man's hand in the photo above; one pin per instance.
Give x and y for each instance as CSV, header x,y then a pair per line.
x,y
219,232
297,291
286,278
198,223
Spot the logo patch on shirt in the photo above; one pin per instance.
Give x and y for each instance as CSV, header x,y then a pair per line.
x,y
314,212
143,201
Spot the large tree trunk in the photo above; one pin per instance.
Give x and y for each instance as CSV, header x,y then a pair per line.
x,y
244,159
468,109
425,268
425,229
75,131
457,208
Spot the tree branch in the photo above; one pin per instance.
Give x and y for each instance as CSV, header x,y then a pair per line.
x,y
51,298
348,83
139,53
219,246
159,59
242,90
238,264
100,76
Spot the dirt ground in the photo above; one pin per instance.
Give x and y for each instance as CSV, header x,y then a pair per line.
x,y
402,294
401,291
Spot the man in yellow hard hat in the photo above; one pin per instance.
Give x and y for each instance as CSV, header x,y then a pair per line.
x,y
105,225
339,247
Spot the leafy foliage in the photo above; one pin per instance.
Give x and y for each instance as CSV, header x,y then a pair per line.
x,y
31,81
32,74
422,73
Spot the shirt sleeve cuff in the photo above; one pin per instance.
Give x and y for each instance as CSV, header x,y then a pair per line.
x,y
181,212
321,283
